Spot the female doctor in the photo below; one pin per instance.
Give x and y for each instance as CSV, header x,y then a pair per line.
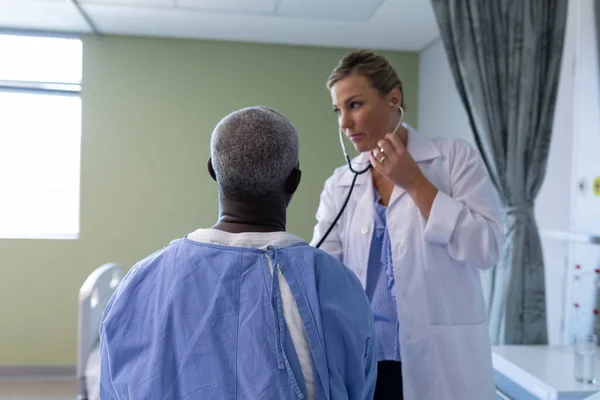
x,y
417,230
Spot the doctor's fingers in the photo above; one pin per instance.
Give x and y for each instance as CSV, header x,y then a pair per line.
x,y
385,147
378,164
384,161
395,142
381,155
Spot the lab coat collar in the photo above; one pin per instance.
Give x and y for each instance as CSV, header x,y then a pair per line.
x,y
419,147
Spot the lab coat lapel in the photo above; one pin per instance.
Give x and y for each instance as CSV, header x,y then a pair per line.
x,y
361,222
359,163
359,219
362,229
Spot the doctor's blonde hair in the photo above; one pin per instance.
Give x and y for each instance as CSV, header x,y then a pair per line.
x,y
375,68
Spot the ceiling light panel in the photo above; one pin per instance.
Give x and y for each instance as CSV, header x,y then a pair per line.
x,y
44,15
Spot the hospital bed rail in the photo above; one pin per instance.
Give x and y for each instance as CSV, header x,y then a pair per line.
x,y
94,294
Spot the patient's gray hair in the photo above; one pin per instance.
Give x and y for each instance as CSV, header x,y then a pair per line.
x,y
253,151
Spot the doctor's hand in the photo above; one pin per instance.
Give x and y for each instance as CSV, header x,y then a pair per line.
x,y
392,160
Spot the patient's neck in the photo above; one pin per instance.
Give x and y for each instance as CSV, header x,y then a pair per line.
x,y
266,215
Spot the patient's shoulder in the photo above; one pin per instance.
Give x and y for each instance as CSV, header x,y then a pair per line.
x,y
331,267
334,279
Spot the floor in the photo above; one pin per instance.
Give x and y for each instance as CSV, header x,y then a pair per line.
x,y
43,388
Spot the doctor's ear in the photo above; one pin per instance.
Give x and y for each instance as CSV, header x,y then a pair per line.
x,y
211,170
395,98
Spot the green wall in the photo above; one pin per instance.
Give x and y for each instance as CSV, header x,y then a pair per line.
x,y
149,106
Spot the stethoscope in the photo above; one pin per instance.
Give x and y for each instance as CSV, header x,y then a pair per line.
x,y
356,174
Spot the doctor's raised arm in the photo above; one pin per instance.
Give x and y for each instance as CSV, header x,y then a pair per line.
x,y
416,219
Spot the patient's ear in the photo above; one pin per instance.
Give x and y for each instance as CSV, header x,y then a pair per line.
x,y
211,170
293,181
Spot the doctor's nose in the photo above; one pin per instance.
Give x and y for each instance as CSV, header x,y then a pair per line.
x,y
345,121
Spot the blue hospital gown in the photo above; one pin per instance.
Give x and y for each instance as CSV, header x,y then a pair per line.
x,y
204,321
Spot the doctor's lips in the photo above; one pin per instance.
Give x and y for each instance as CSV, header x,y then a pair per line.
x,y
355,136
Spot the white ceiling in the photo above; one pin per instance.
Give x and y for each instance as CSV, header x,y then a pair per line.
x,y
405,25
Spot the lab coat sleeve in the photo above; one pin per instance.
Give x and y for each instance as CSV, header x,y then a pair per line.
x,y
467,220
326,213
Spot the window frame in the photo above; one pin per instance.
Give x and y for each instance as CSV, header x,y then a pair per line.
x,y
70,89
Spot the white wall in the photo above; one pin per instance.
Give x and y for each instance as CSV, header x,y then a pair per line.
x,y
441,113
583,284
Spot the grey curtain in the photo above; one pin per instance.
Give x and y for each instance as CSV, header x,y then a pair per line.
x,y
597,13
505,57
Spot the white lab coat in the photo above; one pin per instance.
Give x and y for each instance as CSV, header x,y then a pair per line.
x,y
445,346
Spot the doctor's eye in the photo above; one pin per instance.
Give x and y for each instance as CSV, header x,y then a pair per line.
x,y
355,104
337,111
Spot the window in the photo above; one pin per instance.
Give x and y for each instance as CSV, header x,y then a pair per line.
x,y
40,136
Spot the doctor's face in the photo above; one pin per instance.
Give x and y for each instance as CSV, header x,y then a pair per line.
x,y
364,115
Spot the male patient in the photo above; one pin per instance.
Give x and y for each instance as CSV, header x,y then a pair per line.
x,y
243,310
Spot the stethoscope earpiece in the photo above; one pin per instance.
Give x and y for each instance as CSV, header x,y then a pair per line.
x,y
399,107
